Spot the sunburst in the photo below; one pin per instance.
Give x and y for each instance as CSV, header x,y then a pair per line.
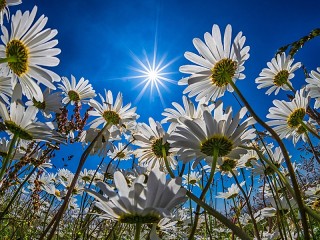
x,y
152,74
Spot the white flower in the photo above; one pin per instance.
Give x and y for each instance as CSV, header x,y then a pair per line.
x,y
199,138
193,178
288,117
22,123
51,103
144,203
152,141
232,192
187,111
111,113
26,49
5,88
4,10
313,86
220,62
76,92
278,74
120,152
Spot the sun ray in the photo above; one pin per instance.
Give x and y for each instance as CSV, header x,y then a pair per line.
x,y
152,74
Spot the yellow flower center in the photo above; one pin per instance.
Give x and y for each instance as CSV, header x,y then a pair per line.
x,y
111,117
19,55
281,78
134,218
228,165
3,4
39,105
220,143
223,72
295,118
74,96
157,148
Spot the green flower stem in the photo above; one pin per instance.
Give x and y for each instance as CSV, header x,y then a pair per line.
x,y
16,194
312,213
8,59
312,149
290,87
203,193
235,229
138,231
8,157
286,157
310,130
166,161
56,219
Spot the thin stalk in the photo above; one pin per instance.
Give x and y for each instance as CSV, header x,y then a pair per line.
x,y
310,130
16,193
8,156
286,157
255,226
138,231
8,59
56,219
203,194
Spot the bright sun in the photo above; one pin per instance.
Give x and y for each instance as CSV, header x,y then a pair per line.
x,y
152,75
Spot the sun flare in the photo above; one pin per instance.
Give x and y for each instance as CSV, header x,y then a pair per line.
x,y
152,74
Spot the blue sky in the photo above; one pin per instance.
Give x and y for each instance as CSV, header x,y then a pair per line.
x,y
96,38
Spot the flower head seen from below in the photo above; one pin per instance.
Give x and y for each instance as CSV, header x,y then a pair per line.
x,y
26,49
288,117
153,145
278,74
219,62
141,202
232,192
76,92
112,113
4,8
313,86
199,139
22,123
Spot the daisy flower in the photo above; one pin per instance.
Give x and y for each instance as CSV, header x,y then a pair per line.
x,y
198,139
278,74
22,123
143,203
4,10
152,140
313,86
110,112
232,192
26,49
76,92
193,178
219,62
51,103
5,88
288,117
120,152
188,111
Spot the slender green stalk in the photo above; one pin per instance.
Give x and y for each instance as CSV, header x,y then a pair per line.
x,y
224,220
310,130
286,157
8,59
138,231
56,219
255,226
16,193
8,156
204,191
